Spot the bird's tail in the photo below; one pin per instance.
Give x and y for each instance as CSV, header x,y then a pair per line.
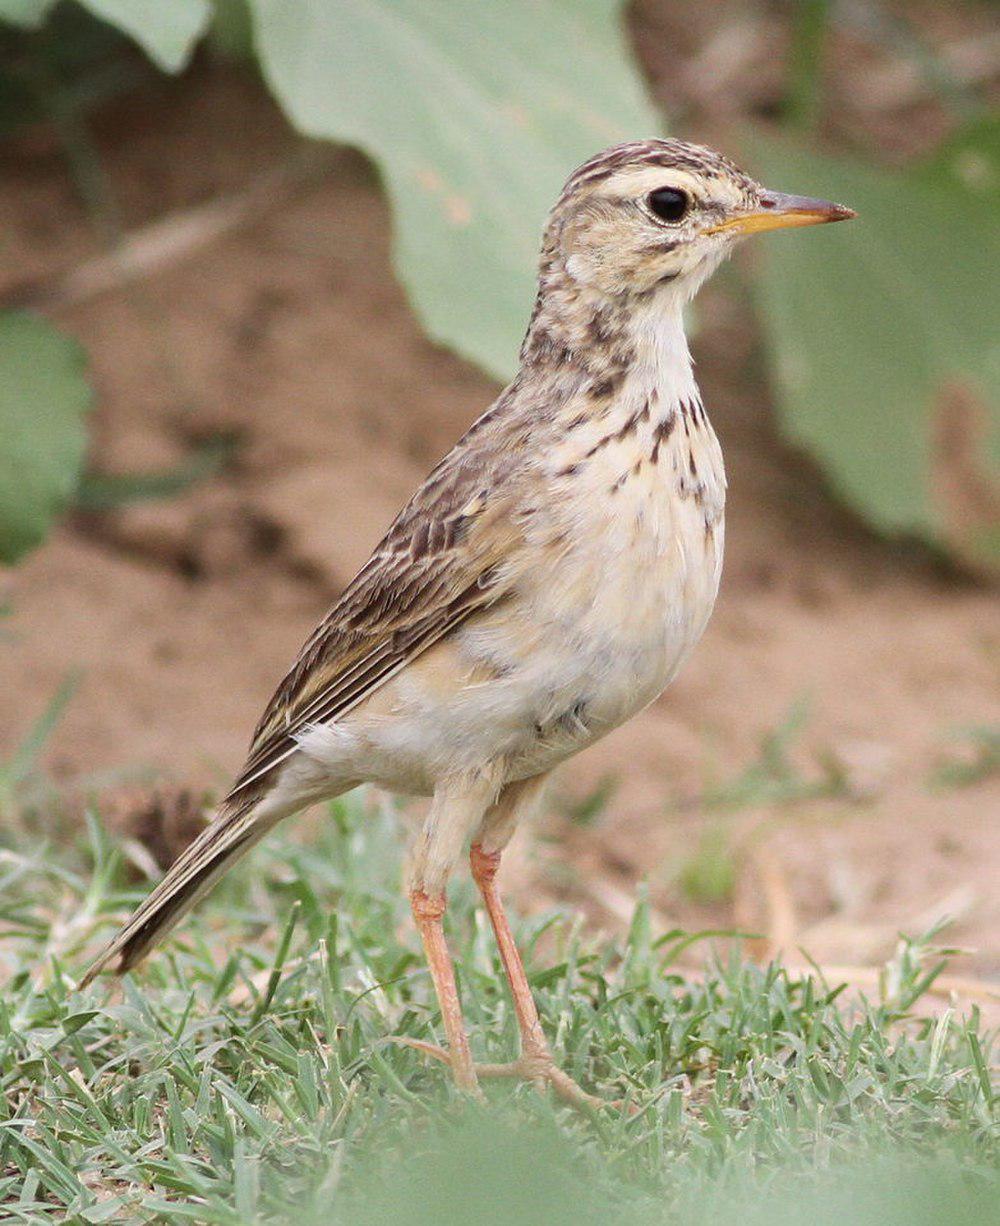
x,y
234,830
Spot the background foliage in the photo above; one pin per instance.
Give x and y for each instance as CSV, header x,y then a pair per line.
x,y
883,340
42,449
881,335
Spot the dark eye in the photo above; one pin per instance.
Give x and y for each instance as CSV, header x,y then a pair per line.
x,y
669,203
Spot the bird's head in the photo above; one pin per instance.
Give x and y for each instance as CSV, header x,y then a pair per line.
x,y
663,213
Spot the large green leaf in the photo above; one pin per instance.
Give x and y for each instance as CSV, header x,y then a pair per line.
x,y
475,112
885,337
44,396
167,30
28,14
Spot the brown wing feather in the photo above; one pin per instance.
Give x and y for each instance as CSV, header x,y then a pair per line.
x,y
439,563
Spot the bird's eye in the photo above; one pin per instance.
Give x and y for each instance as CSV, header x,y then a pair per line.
x,y
669,203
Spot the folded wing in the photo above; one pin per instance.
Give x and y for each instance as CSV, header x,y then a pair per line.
x,y
445,557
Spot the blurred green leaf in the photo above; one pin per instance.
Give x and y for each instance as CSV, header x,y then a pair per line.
x,y
44,396
166,31
231,33
884,337
475,112
29,14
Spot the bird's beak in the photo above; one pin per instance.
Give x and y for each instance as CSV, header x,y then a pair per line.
x,y
778,210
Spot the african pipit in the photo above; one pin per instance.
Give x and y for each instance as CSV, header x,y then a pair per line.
x,y
545,583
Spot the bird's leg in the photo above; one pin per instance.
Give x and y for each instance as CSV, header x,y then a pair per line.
x,y
535,1062
457,809
433,856
428,912
484,866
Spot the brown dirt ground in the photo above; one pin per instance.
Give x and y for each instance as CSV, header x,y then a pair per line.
x,y
292,333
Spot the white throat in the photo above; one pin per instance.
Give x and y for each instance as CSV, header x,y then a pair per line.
x,y
662,357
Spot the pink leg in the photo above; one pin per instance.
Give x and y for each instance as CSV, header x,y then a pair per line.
x,y
536,1063
484,870
428,912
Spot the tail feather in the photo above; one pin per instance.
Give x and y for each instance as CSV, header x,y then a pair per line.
x,y
233,832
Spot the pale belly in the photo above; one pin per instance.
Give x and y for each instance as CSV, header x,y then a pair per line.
x,y
620,622
592,635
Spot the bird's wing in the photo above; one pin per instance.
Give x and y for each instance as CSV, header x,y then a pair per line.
x,y
443,558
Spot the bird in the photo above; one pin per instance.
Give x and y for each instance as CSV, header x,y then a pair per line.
x,y
545,583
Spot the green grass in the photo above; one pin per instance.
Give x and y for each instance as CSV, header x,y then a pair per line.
x,y
246,1075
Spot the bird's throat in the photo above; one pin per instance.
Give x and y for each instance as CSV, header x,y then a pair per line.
x,y
578,337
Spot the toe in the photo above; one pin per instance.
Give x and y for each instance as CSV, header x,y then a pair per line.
x,y
426,1049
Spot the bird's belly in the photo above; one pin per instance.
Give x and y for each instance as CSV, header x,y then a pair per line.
x,y
620,620
584,642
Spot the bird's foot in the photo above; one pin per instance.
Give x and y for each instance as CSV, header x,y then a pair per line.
x,y
537,1067
541,1070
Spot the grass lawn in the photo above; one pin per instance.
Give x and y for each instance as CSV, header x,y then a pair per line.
x,y
246,1074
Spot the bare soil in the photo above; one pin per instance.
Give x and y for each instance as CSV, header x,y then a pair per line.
x,y
291,335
